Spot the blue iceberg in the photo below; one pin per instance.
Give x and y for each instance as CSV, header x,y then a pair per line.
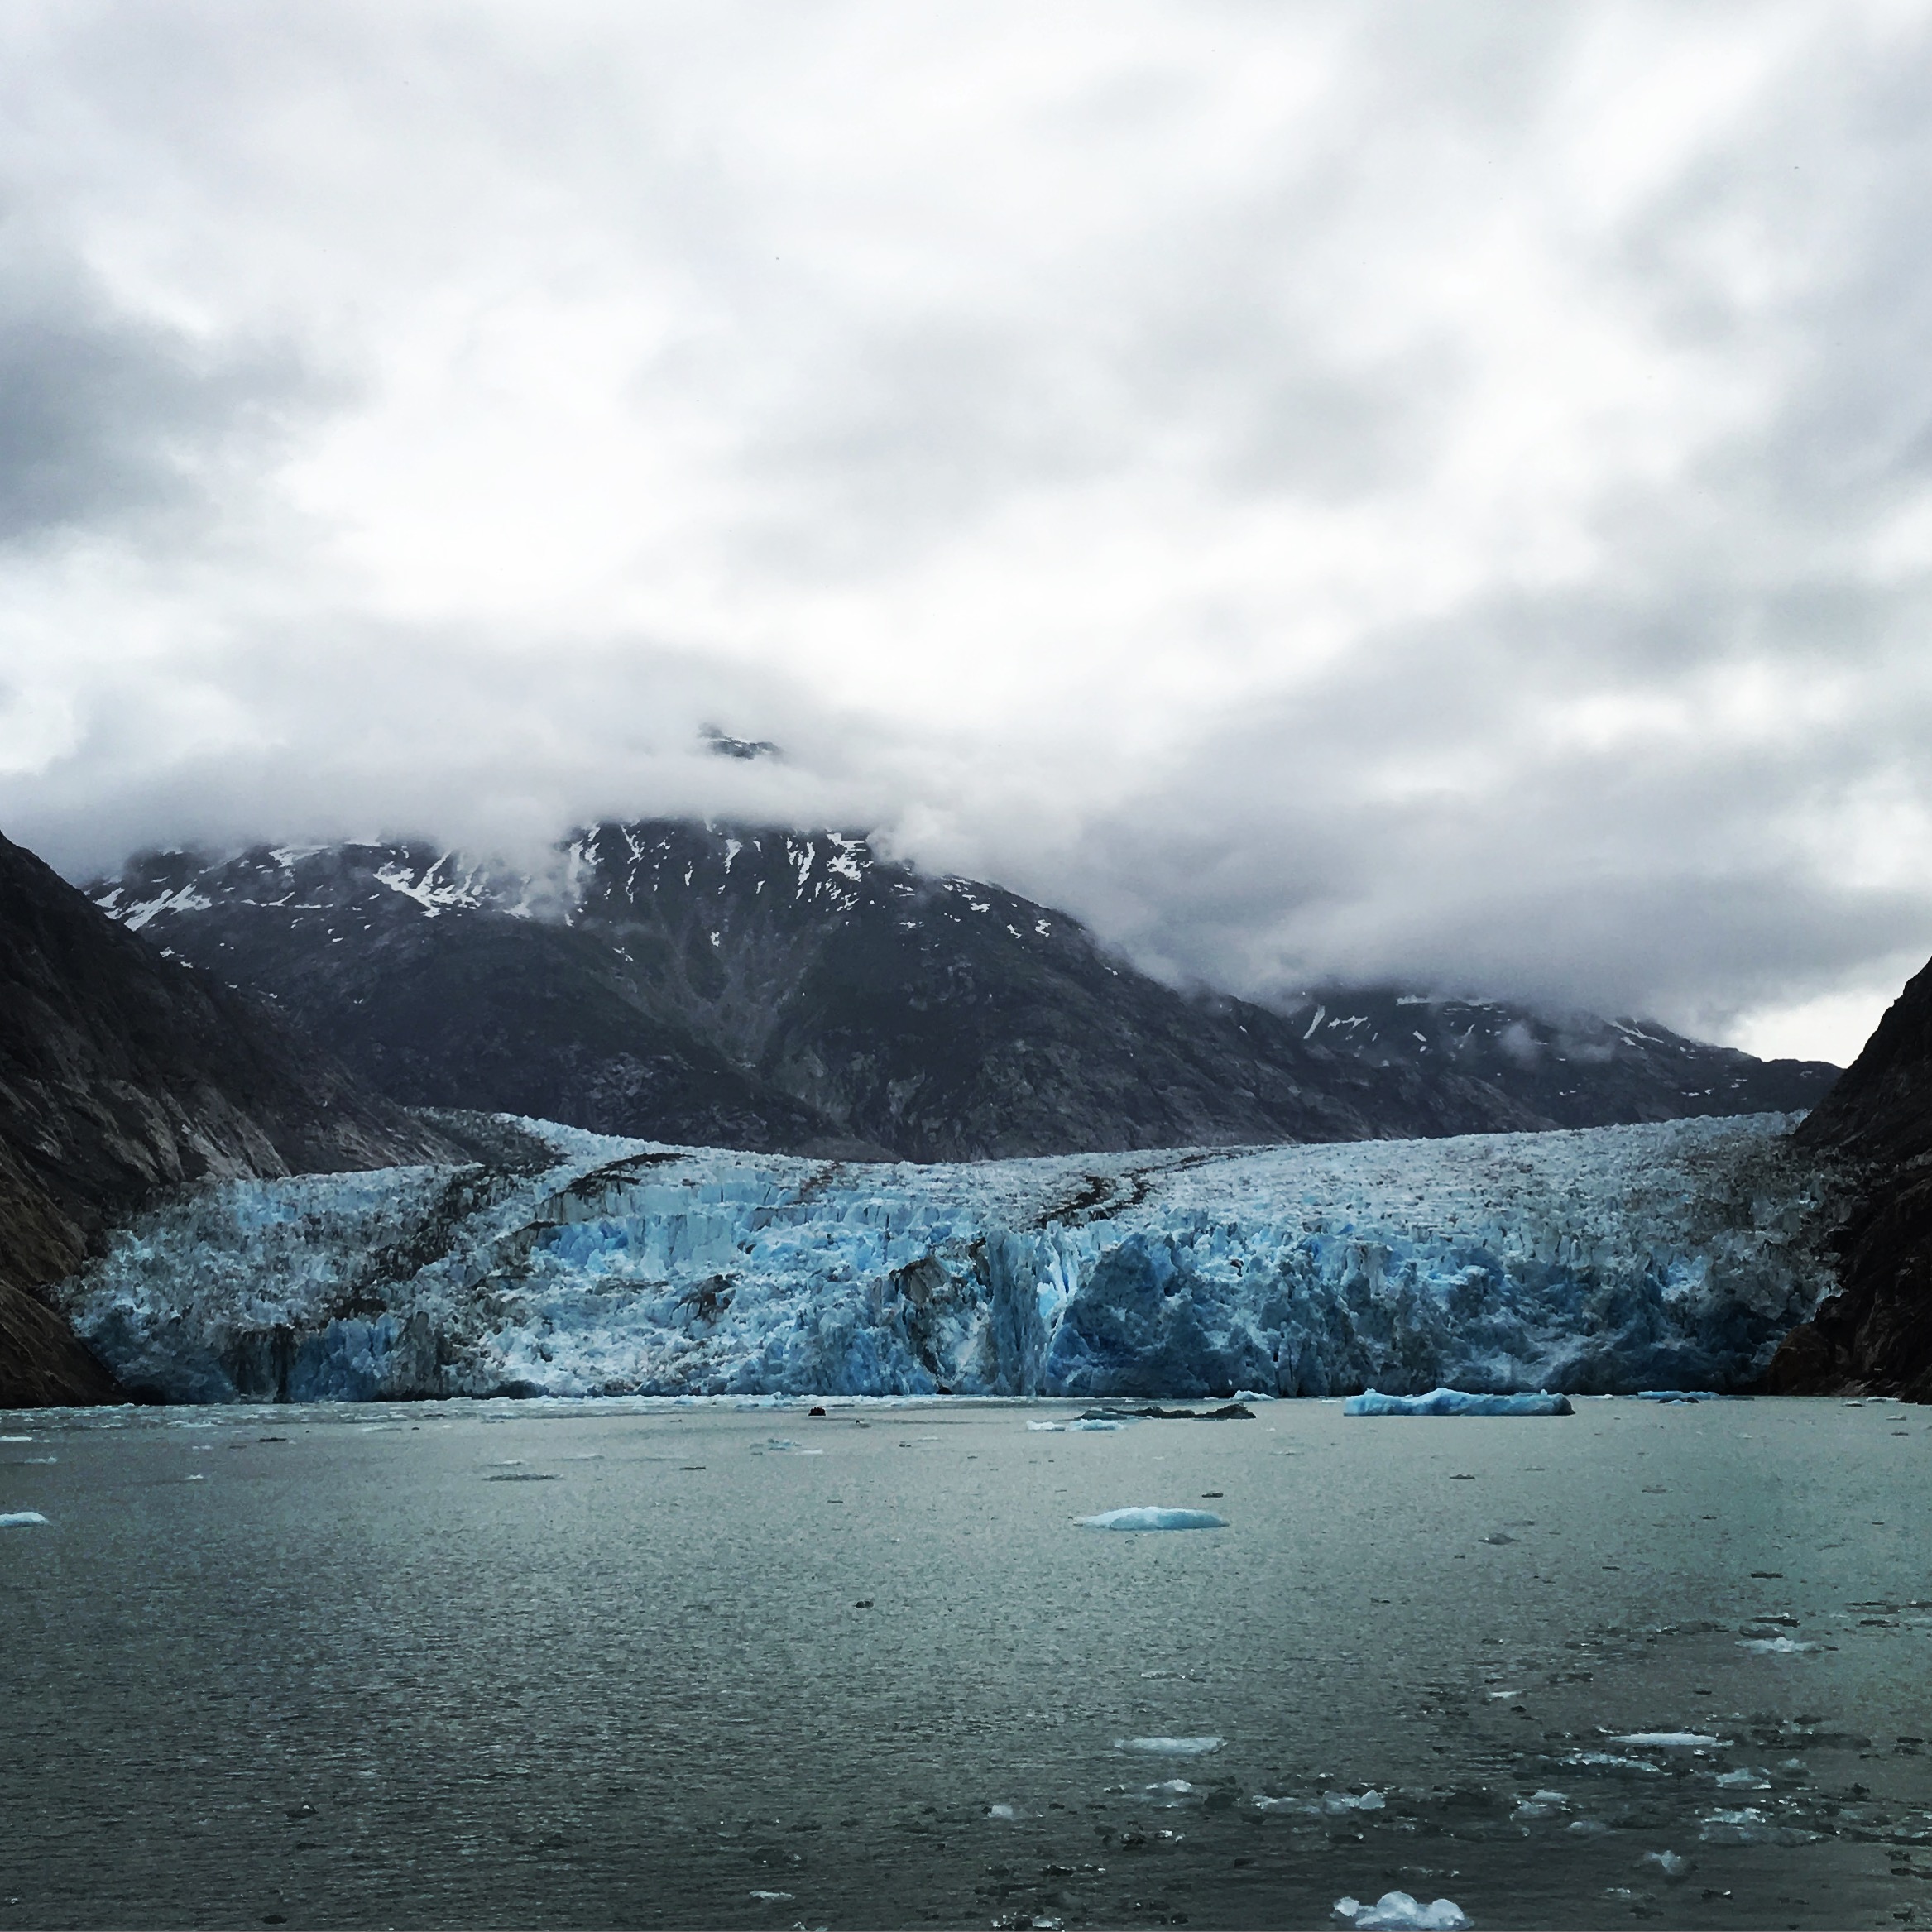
x,y
1456,1402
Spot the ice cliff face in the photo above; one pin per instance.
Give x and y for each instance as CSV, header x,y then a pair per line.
x,y
1606,1259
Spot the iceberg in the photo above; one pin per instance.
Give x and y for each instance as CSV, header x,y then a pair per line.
x,y
1150,1518
1396,1911
1672,1255
1455,1402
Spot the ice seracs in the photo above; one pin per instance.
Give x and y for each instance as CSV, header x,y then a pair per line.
x,y
1467,1274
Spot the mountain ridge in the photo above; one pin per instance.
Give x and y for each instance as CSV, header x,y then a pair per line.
x,y
793,991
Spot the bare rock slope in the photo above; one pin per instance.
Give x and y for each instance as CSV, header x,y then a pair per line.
x,y
122,1071
1876,1333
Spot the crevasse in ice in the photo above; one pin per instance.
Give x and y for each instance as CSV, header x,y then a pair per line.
x,y
1673,1255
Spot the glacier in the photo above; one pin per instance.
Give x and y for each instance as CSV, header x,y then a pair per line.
x,y
1668,1256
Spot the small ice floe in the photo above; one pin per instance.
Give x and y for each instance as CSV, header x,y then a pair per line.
x,y
40,1459
1540,1805
16,1439
1774,1647
1587,1828
1674,1865
19,1519
1329,1804
783,1445
1095,1426
1456,1402
1047,1428
1744,1779
1749,1826
1396,1911
1672,1740
1170,1747
771,1898
1147,1517
1613,1761
1170,1792
1003,1814
1685,1395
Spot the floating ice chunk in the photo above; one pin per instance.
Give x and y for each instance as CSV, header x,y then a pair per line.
x,y
1396,1911
1047,1428
1749,1826
1172,1791
783,1445
1589,1828
1335,1803
16,1439
1674,1865
1171,1747
18,1519
772,1897
1097,1425
1147,1517
1455,1402
1683,1395
1610,1760
1005,1813
1744,1779
1773,1646
1672,1740
1540,1805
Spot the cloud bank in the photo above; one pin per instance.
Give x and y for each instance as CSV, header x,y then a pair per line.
x,y
1380,490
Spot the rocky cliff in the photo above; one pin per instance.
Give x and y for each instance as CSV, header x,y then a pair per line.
x,y
122,1070
1876,1333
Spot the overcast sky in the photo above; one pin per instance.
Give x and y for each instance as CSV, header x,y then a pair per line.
x,y
1428,491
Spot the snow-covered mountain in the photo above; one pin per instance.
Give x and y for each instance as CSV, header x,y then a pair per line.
x,y
793,991
1667,1255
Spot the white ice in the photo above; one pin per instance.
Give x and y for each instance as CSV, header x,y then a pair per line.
x,y
1170,1747
1151,1518
1672,1740
1774,1647
19,1519
1396,1911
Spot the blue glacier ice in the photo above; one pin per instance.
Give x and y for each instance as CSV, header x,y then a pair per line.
x,y
1455,1402
1671,1256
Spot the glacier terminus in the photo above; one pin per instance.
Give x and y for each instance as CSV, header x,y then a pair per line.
x,y
1667,1255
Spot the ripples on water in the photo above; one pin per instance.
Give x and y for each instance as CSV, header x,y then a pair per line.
x,y
616,1663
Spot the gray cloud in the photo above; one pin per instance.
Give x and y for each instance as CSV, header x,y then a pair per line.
x,y
105,415
1436,494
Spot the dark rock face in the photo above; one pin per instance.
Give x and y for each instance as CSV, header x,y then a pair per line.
x,y
1876,1333
783,991
122,1070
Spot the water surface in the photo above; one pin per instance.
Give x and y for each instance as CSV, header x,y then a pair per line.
x,y
629,1663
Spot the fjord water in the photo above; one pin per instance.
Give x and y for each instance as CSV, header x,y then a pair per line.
x,y
637,1663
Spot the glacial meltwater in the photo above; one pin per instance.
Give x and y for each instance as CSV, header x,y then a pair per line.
x,y
644,1662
